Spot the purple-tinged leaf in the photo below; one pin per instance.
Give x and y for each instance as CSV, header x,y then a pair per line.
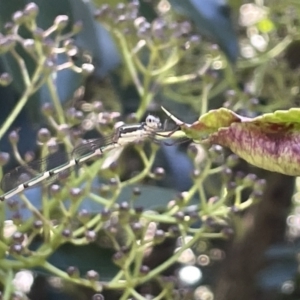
x,y
270,141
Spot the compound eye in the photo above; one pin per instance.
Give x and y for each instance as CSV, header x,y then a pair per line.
x,y
152,121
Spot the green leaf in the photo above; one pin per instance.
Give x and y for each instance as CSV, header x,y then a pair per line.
x,y
270,141
85,258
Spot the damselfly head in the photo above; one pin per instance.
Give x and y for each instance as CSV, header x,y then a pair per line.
x,y
153,122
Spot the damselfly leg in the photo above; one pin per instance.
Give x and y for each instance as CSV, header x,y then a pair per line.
x,y
165,133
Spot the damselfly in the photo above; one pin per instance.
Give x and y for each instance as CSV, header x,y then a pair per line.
x,y
35,172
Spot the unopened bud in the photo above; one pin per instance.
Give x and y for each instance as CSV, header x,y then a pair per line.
x,y
18,17
5,79
92,275
14,137
61,22
6,44
73,272
47,109
9,27
49,66
44,135
31,10
87,69
29,45
77,27
38,34
4,158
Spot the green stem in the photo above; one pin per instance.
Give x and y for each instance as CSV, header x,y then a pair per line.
x,y
22,66
204,100
148,164
55,99
278,49
23,100
8,286
158,270
80,281
129,62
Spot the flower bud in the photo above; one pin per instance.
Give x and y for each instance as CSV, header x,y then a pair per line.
x,y
159,28
14,137
83,216
159,236
249,180
256,195
75,193
16,249
97,106
144,30
47,46
132,9
232,160
38,224
227,232
136,191
103,13
47,109
17,218
4,158
185,28
67,233
77,27
6,44
73,272
98,297
5,79
179,216
90,235
38,34
87,69
139,210
61,22
92,275
18,17
18,237
195,174
63,130
9,27
44,135
260,185
49,66
174,231
105,214
31,10
29,45
12,204
55,190
226,174
159,173
144,270
137,229
119,258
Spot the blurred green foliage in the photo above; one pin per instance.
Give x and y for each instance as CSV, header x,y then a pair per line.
x,y
125,225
